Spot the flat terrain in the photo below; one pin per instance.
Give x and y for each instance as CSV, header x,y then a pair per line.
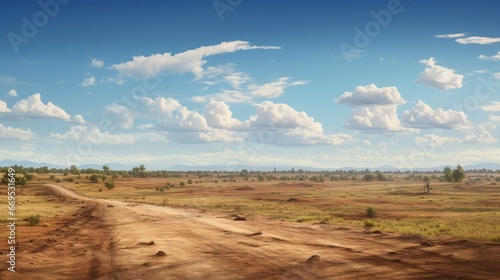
x,y
117,234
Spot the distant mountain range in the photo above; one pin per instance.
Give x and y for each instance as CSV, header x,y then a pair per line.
x,y
118,166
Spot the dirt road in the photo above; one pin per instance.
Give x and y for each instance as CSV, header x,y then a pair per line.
x,y
112,240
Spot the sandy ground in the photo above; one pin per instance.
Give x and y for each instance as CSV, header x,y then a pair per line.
x,y
112,240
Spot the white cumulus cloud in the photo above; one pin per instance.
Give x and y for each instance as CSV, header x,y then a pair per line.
x,y
494,106
7,132
33,107
375,119
12,93
283,125
438,76
218,115
422,116
78,119
190,61
96,63
495,57
371,95
4,108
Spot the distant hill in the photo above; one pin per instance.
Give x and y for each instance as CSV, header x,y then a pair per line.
x,y
27,163
118,166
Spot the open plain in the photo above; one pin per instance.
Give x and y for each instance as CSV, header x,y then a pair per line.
x,y
241,229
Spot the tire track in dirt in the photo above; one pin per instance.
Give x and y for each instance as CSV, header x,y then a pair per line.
x,y
199,245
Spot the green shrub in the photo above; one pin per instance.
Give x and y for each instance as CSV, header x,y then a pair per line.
x,y
33,219
109,185
369,224
371,212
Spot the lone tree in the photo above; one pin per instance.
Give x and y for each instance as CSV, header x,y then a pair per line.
x,y
105,169
457,175
448,175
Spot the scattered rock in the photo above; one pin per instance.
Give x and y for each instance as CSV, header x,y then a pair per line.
x,y
376,232
292,200
256,233
427,243
147,243
109,205
160,254
391,253
51,240
323,222
313,259
147,264
240,218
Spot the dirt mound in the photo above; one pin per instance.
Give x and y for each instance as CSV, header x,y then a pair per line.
x,y
240,218
313,259
160,254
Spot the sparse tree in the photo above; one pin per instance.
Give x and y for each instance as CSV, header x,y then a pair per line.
x,y
458,174
105,169
448,174
94,178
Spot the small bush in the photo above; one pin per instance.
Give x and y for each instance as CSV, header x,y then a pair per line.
x,y
52,177
109,185
370,212
58,181
182,184
33,219
369,224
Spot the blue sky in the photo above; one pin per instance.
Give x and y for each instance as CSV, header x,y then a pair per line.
x,y
296,83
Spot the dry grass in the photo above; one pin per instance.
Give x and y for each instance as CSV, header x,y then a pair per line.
x,y
450,211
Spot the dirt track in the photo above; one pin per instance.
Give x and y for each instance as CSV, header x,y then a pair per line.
x,y
109,240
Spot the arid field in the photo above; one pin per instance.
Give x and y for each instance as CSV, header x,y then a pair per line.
x,y
218,228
